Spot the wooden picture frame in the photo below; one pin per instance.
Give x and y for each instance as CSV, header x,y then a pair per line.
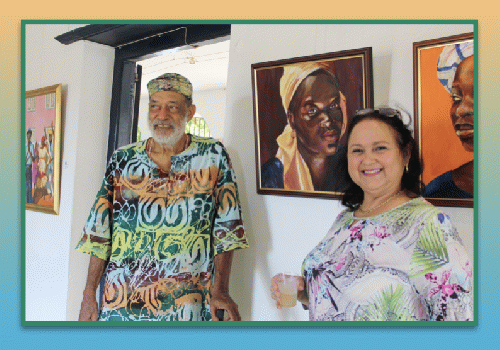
x,y
42,149
444,118
285,137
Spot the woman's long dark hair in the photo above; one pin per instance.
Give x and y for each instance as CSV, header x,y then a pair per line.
x,y
411,182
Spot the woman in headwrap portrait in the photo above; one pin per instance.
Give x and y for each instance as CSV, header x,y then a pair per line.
x,y
455,70
315,108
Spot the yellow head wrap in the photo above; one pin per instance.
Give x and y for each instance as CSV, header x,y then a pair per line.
x,y
296,172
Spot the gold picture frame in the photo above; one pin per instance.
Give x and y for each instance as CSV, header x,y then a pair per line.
x,y
42,149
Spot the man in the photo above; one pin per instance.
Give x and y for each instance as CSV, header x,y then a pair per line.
x,y
308,153
28,160
168,218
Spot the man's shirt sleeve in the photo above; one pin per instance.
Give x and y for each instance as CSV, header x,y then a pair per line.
x,y
228,231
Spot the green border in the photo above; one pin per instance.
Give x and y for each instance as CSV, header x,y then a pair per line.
x,y
250,324
23,176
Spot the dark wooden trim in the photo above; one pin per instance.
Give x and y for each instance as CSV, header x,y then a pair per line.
x,y
137,98
84,33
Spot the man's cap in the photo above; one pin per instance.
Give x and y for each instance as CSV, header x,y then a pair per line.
x,y
171,82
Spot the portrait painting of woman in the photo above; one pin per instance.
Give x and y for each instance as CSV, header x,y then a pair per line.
x,y
444,93
302,107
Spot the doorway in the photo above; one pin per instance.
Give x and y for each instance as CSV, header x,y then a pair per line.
x,y
206,66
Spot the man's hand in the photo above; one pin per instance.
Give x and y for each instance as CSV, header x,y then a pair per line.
x,y
222,301
89,309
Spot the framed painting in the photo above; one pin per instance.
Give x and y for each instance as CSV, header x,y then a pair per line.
x,y
301,110
42,147
444,118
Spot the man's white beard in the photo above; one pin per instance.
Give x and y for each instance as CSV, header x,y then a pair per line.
x,y
170,139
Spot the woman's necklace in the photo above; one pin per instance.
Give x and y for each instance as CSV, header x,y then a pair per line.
x,y
381,204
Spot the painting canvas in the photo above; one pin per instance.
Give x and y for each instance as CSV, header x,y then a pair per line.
x,y
301,110
444,122
42,139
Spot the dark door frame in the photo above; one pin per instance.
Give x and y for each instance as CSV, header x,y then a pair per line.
x,y
132,43
123,123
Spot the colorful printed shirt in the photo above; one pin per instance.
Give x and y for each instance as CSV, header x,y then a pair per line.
x,y
405,264
161,233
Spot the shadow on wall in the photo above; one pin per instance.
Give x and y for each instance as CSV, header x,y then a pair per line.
x,y
246,262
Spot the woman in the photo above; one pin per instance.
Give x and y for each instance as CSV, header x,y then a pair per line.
x,y
456,72
390,255
316,112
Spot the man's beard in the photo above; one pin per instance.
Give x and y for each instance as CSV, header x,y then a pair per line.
x,y
171,138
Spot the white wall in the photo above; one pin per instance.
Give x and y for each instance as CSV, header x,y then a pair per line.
x,y
282,230
85,71
93,131
211,105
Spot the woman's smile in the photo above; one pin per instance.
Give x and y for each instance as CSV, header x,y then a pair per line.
x,y
371,172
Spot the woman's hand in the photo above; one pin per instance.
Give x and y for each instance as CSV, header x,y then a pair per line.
x,y
276,294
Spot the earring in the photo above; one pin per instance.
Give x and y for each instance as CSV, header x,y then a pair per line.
x,y
406,167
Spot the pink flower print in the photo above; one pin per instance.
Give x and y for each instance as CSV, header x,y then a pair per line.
x,y
356,232
433,278
468,270
421,310
381,232
447,290
341,263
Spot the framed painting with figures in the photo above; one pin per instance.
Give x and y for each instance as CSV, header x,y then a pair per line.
x,y
42,147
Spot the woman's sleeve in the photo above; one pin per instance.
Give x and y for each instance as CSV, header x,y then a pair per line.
x,y
441,271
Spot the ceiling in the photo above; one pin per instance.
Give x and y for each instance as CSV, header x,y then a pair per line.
x,y
204,63
205,66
